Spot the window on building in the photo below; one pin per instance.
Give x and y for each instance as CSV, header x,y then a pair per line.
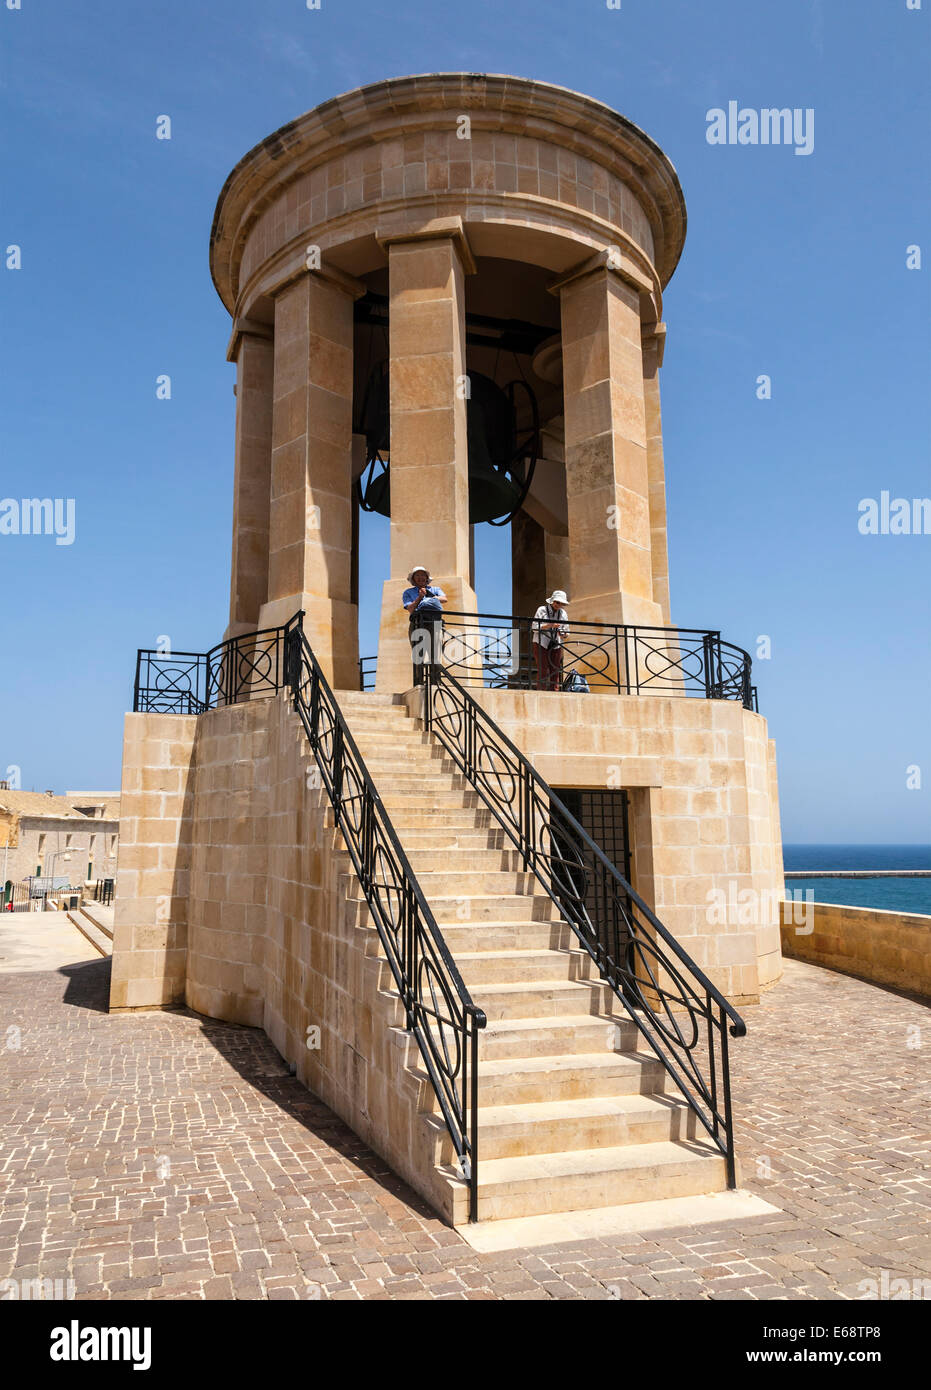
x,y
41,844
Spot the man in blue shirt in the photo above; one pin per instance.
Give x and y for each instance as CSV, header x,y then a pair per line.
x,y
424,602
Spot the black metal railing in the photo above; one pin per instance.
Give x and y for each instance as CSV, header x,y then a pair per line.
x,y
103,891
439,1010
367,666
192,682
497,650
681,1015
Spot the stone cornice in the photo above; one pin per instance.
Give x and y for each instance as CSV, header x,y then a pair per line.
x,y
282,267
409,104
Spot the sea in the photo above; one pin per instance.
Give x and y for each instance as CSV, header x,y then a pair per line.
x,y
890,894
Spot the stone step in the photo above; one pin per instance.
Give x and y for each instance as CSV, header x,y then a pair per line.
x,y
378,716
383,734
376,738
504,883
99,917
584,1178
449,913
539,999
483,885
427,861
412,815
595,1122
367,699
101,943
414,758
503,966
507,936
565,1036
466,838
413,798
463,909
508,1081
409,757
564,1126
409,816
417,784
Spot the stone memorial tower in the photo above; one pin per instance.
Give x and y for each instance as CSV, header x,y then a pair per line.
x,y
446,295
415,206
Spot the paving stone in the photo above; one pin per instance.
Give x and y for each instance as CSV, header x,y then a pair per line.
x,y
269,1196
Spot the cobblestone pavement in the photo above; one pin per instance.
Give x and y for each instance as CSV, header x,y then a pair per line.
x,y
162,1155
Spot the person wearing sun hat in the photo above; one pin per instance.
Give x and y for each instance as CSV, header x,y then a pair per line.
x,y
424,602
550,629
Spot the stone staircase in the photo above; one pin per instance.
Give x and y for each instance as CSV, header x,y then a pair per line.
x,y
572,1116
96,924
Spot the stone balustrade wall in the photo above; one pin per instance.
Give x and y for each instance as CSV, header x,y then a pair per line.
x,y
886,948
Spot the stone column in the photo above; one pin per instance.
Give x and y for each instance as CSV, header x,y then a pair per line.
x,y
607,476
654,341
528,565
252,349
558,575
528,583
429,449
310,521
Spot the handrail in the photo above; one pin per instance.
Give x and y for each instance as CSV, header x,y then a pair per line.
x,y
439,1009
238,668
656,986
494,650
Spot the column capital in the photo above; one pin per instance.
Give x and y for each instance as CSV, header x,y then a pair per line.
x,y
603,262
340,280
654,334
437,229
245,327
330,274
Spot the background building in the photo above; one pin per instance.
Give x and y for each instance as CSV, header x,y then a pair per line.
x,y
46,835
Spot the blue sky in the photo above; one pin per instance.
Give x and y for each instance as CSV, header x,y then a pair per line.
x,y
794,267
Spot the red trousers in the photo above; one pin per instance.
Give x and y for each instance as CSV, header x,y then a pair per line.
x,y
549,666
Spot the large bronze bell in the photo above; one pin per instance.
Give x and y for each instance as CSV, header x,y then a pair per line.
x,y
501,457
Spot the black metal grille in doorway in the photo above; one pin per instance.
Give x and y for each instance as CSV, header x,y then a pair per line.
x,y
605,816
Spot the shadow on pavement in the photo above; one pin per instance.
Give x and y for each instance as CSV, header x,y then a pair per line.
x,y
88,984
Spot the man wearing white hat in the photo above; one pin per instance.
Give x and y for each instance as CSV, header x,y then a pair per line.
x,y
550,629
424,602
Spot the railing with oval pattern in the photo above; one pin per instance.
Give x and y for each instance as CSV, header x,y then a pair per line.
x,y
680,1014
439,1011
496,651
193,682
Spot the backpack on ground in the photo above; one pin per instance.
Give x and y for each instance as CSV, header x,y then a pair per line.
x,y
576,684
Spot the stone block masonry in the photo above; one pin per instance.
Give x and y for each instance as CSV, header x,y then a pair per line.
x,y
888,948
233,897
